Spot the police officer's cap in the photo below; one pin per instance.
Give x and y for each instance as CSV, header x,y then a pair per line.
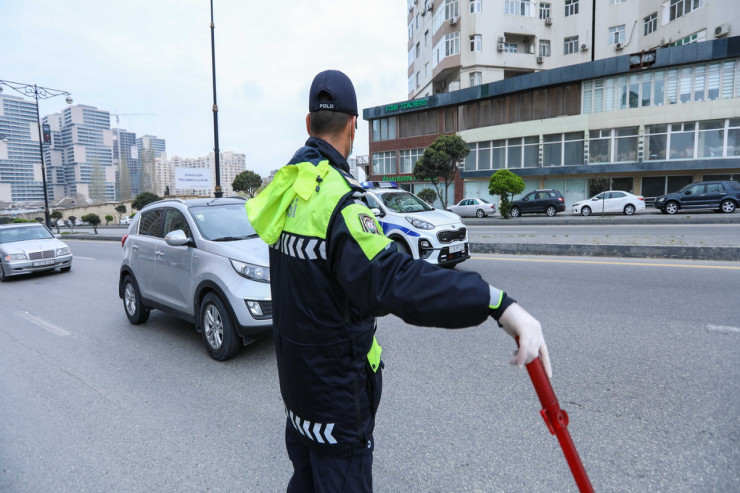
x,y
331,90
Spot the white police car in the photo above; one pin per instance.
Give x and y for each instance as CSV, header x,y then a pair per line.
x,y
417,228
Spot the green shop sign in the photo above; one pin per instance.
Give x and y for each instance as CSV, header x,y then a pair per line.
x,y
406,105
400,178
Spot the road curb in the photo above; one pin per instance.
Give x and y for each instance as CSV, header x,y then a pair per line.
x,y
624,251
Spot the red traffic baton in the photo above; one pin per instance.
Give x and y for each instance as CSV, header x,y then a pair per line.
x,y
556,420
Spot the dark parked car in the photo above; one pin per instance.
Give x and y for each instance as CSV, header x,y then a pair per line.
x,y
548,201
722,196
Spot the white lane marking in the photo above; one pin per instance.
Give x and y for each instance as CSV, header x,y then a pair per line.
x,y
84,258
723,329
39,322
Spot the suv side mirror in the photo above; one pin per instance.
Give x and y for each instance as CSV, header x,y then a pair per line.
x,y
688,192
177,238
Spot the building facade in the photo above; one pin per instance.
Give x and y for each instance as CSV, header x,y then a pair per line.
x,y
455,44
20,158
647,123
230,165
126,158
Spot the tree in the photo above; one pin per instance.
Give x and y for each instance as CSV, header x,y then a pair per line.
x,y
247,181
427,195
120,209
108,219
167,190
71,222
143,199
93,219
505,184
56,216
439,161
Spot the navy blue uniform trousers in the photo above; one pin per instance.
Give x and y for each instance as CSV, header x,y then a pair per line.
x,y
316,473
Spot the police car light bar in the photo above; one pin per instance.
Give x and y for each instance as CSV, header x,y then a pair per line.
x,y
379,184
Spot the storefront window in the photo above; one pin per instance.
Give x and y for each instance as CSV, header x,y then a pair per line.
x,y
711,139
626,144
657,142
682,140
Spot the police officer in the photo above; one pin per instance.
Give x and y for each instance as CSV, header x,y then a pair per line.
x,y
332,272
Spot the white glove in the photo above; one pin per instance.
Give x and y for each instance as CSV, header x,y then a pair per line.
x,y
517,322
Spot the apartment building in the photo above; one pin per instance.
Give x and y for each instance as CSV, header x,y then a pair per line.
x,y
647,123
230,165
20,162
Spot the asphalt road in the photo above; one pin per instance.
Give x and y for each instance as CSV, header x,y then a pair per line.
x,y
644,357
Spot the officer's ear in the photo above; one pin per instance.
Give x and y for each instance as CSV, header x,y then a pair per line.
x,y
308,123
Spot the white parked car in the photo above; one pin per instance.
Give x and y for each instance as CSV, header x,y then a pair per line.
x,y
126,220
473,207
611,201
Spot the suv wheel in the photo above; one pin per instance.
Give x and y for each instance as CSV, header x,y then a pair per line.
x,y
480,213
135,310
629,209
671,207
515,212
217,328
401,246
727,206
585,211
551,210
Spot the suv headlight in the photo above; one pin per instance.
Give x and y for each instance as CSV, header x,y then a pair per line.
x,y
63,251
661,199
419,224
251,271
15,256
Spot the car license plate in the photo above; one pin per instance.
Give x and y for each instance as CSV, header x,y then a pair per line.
x,y
457,248
39,263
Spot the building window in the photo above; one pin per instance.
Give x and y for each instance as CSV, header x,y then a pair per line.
x,y
692,38
510,47
418,79
411,57
450,10
544,10
384,163
426,70
418,51
616,35
476,78
519,7
475,6
563,149
411,30
544,47
447,46
411,84
570,45
522,152
476,42
408,159
650,23
571,7
679,8
711,139
384,129
426,38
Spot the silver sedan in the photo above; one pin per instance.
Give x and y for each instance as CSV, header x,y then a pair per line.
x,y
473,207
31,247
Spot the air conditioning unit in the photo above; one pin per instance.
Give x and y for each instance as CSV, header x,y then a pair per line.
x,y
540,59
500,39
500,47
584,47
548,21
721,30
618,46
453,21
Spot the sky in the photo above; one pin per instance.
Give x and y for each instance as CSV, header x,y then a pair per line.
x,y
149,61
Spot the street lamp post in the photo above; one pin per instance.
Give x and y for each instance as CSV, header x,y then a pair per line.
x,y
42,93
217,192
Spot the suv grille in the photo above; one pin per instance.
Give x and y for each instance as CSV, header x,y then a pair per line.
x,y
41,255
452,235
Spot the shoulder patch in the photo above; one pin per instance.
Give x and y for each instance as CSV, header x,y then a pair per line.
x,y
368,224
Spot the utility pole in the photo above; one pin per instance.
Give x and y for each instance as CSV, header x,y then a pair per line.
x,y
217,193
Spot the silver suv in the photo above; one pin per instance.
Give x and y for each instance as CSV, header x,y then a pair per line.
x,y
199,260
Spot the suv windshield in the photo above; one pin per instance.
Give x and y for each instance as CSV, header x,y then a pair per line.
x,y
404,202
24,233
223,222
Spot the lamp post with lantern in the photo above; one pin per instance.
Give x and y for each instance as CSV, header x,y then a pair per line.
x,y
38,92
